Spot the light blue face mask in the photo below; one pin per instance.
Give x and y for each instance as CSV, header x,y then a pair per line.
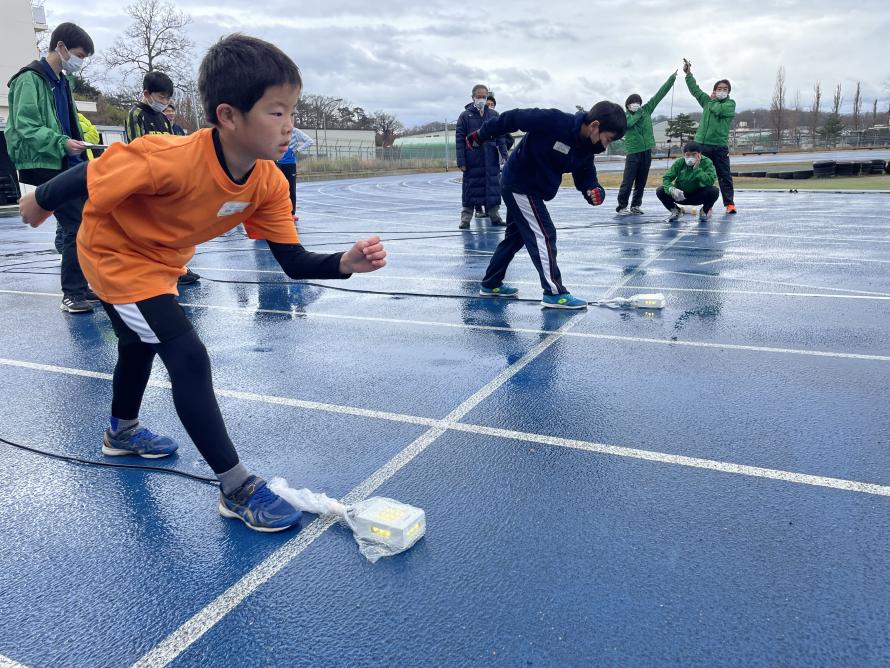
x,y
479,102
72,65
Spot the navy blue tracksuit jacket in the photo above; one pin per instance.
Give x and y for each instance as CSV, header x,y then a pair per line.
x,y
551,147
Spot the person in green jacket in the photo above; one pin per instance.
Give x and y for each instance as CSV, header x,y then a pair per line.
x,y
690,180
713,130
44,138
639,142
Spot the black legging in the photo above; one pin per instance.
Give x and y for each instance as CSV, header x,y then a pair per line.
x,y
188,366
290,173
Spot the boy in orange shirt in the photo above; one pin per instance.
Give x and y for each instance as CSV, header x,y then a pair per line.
x,y
150,203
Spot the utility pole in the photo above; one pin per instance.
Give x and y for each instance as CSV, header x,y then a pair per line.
x,y
445,137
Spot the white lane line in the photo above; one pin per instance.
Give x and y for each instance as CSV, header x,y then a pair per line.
x,y
181,639
879,296
774,282
452,423
529,330
238,394
796,237
6,662
719,259
680,460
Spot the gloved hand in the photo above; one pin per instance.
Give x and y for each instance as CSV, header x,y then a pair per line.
x,y
595,196
473,140
678,195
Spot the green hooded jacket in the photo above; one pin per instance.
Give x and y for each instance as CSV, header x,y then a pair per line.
x,y
34,136
639,136
689,179
716,116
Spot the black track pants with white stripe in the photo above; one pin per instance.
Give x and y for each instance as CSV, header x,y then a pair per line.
x,y
529,225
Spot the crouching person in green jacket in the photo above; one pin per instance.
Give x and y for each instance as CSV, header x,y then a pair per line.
x,y
690,180
713,130
639,142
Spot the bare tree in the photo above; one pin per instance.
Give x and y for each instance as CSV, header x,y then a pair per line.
x,y
815,109
387,126
874,113
794,117
188,104
777,107
155,40
857,106
837,101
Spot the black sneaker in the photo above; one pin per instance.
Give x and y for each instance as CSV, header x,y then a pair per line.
x,y
75,304
188,277
464,225
91,296
498,222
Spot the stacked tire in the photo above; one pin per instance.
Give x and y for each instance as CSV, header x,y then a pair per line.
x,y
824,169
878,166
846,168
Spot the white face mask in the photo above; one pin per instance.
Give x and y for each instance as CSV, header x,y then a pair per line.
x,y
479,102
690,162
634,107
157,106
722,95
71,66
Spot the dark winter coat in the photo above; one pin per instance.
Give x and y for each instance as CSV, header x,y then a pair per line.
x,y
482,173
552,146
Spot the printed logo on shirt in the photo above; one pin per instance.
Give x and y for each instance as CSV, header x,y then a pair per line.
x,y
562,148
230,208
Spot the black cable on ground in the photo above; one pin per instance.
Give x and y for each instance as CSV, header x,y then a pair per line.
x,y
91,462
437,295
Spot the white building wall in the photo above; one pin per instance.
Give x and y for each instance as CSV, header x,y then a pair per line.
x,y
341,144
18,44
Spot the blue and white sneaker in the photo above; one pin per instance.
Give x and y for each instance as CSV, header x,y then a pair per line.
x,y
565,300
137,440
258,507
503,290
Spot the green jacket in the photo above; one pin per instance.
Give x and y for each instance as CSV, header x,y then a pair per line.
x,y
639,136
34,136
716,116
689,179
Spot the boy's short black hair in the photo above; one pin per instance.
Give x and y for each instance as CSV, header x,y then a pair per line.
x,y
692,147
238,69
491,99
73,36
610,116
726,81
157,82
633,97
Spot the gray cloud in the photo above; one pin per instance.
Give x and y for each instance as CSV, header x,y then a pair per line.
x,y
419,60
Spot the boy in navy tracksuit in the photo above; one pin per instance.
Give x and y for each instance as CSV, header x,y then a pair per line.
x,y
555,143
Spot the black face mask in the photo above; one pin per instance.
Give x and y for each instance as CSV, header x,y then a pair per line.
x,y
598,147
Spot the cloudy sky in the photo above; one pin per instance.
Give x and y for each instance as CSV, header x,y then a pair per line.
x,y
419,60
